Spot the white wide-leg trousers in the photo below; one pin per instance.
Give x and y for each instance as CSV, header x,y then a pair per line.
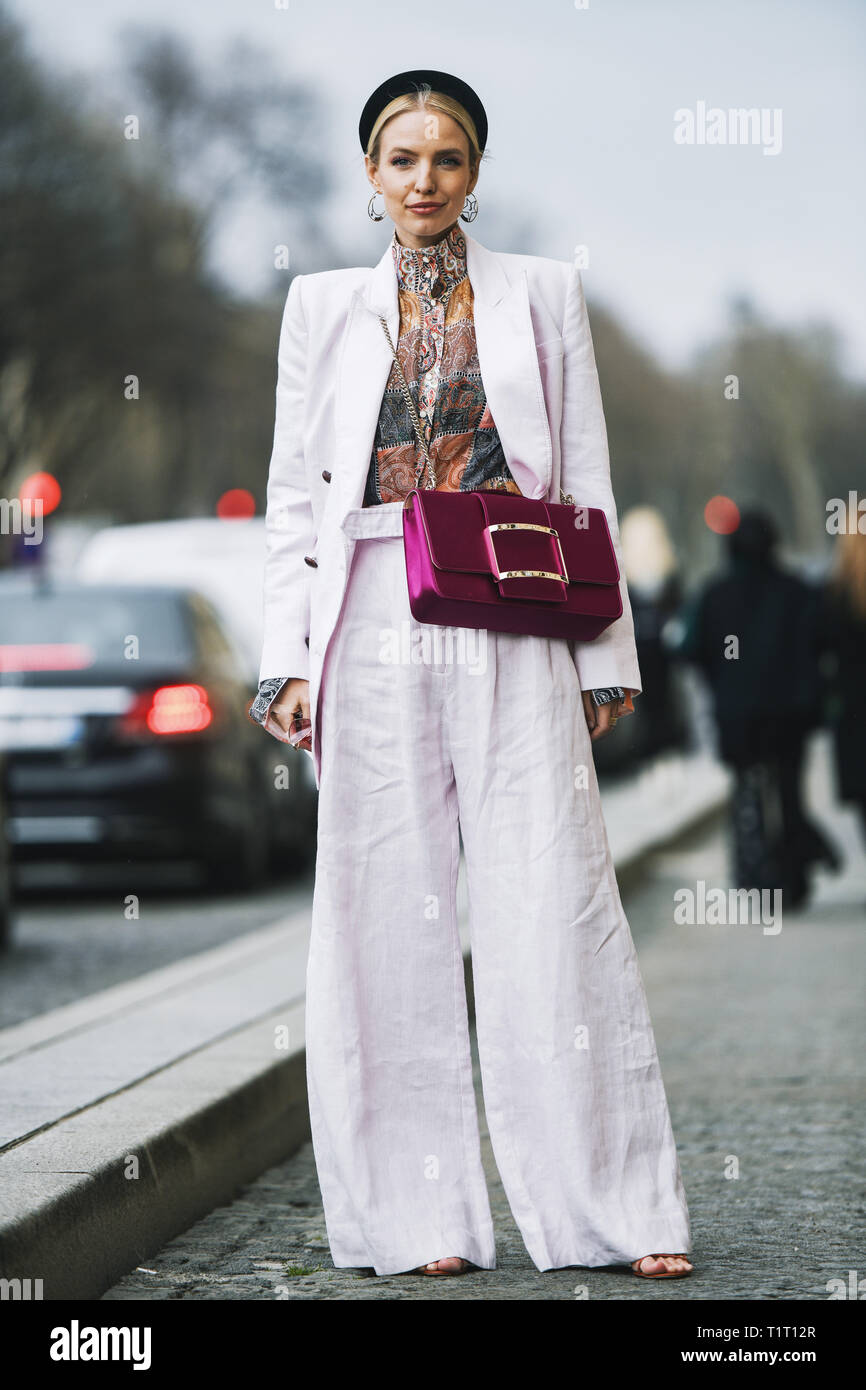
x,y
490,730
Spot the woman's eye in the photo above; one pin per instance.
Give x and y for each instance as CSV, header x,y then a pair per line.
x,y
404,159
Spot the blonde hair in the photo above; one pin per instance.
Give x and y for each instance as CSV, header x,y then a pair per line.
x,y
422,100
849,571
648,554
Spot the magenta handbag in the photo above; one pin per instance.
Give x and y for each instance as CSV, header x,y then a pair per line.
x,y
496,560
510,563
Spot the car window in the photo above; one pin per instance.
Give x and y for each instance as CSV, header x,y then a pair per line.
x,y
55,630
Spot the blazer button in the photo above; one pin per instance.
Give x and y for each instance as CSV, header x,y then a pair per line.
x,y
326,475
308,560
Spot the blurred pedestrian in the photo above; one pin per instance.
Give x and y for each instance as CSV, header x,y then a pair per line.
x,y
655,589
842,631
752,631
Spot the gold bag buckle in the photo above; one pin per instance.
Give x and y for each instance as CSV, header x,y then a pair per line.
x,y
561,578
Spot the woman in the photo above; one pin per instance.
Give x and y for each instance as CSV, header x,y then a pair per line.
x,y
405,742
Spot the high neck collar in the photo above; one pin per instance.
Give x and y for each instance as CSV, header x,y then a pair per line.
x,y
431,270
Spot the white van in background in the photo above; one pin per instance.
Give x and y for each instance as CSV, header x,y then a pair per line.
x,y
223,559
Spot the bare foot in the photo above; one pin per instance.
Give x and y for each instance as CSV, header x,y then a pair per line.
x,y
662,1266
451,1265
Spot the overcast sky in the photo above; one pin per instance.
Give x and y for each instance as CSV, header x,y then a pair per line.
x,y
581,107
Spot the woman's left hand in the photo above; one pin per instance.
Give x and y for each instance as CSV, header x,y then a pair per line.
x,y
600,718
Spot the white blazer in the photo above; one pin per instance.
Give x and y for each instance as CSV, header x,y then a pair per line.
x,y
538,368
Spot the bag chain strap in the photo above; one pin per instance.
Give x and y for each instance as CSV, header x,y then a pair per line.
x,y
431,471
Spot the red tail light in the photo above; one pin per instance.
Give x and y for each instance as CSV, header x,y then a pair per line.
x,y
171,709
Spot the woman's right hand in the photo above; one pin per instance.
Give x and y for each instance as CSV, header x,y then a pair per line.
x,y
294,694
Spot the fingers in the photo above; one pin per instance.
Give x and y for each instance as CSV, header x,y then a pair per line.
x,y
293,699
600,719
304,704
282,715
288,719
287,715
291,709
605,720
590,710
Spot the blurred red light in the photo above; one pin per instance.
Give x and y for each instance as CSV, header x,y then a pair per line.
x,y
179,709
41,486
170,709
236,504
722,515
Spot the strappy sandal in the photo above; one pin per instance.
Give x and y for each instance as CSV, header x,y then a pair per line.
x,y
668,1274
432,1270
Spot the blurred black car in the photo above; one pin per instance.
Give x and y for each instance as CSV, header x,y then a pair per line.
x,y
123,716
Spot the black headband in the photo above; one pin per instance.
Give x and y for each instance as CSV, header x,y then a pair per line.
x,y
405,82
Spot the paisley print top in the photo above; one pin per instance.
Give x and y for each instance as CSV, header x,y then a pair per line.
x,y
439,357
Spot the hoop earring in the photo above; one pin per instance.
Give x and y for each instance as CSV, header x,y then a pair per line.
x,y
472,205
375,216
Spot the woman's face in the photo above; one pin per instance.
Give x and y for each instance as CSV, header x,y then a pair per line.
x,y
423,174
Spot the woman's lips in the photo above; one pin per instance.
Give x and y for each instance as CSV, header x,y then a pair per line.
x,y
424,209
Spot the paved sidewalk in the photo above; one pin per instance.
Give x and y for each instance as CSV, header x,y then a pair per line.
x,y
761,1044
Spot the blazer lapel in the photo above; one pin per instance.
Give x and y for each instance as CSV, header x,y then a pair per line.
x,y
506,355
509,367
362,374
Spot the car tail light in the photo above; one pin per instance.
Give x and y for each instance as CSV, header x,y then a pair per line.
x,y
170,709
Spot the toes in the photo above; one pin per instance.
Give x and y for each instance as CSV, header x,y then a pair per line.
x,y
662,1266
451,1264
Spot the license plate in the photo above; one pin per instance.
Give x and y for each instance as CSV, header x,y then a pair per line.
x,y
40,731
50,830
